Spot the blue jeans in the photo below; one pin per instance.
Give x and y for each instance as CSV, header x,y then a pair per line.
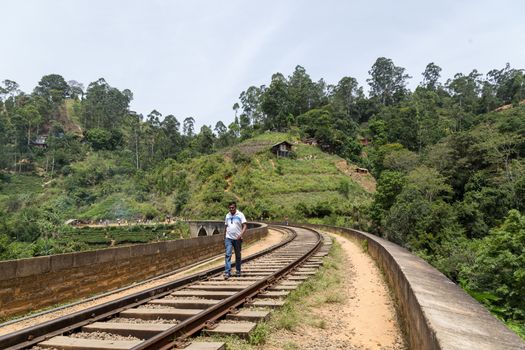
x,y
229,245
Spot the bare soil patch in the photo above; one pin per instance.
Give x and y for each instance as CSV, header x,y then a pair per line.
x,y
365,180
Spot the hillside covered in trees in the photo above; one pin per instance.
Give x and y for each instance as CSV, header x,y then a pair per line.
x,y
448,158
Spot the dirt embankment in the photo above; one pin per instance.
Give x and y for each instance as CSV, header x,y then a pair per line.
x,y
359,175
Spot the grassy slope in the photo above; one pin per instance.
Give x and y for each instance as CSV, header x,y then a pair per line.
x,y
19,188
269,186
263,185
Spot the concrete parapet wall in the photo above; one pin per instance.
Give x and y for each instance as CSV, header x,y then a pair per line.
x,y
438,314
31,284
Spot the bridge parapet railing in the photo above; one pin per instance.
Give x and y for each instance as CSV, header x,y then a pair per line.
x,y
34,283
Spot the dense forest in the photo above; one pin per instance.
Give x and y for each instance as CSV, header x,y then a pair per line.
x,y
448,158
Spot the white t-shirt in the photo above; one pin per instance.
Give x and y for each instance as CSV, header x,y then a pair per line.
x,y
234,224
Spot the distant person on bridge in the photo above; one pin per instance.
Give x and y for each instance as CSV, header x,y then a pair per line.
x,y
235,223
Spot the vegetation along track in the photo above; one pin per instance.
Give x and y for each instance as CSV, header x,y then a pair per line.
x,y
167,316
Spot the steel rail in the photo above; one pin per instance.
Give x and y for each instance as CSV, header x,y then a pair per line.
x,y
178,333
30,336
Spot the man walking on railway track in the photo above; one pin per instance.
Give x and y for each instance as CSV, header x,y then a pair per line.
x,y
235,228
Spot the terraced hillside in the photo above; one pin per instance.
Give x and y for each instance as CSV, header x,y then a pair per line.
x,y
309,184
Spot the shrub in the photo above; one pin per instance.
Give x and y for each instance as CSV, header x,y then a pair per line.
x,y
344,188
240,158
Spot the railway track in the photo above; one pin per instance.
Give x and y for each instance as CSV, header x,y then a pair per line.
x,y
167,316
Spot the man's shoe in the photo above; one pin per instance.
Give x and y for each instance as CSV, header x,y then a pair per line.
x,y
238,274
226,276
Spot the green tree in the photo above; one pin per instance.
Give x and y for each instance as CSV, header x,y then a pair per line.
x,y
188,126
333,135
31,118
205,140
458,157
251,100
509,84
465,91
11,88
235,108
498,148
234,129
134,123
101,139
401,160
484,207
152,135
389,186
433,122
488,100
246,128
402,125
377,130
497,276
387,81
105,106
302,92
420,218
171,127
53,88
346,96
276,104
431,76
76,89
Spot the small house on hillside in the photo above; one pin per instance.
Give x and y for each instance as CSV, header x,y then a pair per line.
x,y
282,149
40,142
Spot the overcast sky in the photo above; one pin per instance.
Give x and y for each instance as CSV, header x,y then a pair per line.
x,y
194,58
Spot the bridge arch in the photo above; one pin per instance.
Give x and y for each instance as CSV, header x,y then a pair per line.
x,y
211,227
202,232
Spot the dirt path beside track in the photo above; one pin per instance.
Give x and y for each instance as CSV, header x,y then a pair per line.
x,y
365,318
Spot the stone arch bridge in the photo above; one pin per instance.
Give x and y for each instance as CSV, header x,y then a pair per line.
x,y
210,227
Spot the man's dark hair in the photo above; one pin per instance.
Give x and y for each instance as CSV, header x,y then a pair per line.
x,y
232,203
